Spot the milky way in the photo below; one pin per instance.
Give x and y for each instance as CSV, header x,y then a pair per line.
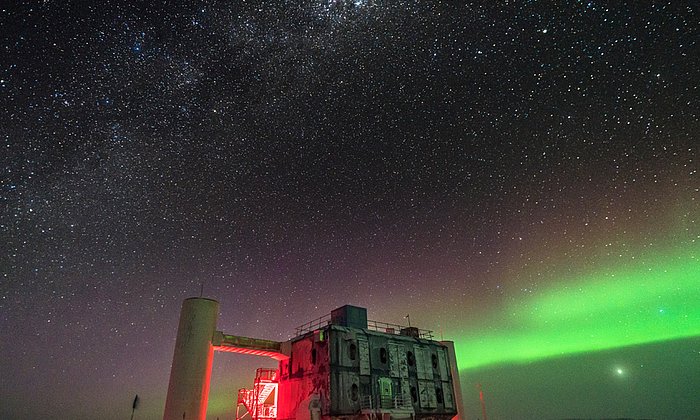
x,y
521,177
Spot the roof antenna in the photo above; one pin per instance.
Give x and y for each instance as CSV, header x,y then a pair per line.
x,y
201,289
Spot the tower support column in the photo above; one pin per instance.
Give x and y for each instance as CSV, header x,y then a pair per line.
x,y
188,390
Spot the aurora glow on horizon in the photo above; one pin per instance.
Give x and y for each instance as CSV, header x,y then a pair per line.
x,y
657,300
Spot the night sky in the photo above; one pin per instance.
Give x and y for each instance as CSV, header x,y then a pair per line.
x,y
518,176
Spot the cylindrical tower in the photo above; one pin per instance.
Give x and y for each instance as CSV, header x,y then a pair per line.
x,y
452,356
188,390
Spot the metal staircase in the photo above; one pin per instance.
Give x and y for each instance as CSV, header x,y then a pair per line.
x,y
261,401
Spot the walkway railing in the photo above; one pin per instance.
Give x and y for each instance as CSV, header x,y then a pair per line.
x,y
379,326
314,325
396,402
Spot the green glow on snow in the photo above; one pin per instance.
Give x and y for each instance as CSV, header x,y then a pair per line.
x,y
656,300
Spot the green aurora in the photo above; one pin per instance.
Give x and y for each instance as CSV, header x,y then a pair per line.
x,y
658,299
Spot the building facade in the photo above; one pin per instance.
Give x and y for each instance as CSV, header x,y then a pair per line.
x,y
349,367
341,366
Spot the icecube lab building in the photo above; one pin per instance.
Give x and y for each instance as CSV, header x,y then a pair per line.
x,y
340,366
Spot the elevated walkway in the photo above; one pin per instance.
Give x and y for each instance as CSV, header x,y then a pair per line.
x,y
246,345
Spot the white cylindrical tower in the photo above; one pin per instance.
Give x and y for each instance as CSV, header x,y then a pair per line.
x,y
188,390
452,356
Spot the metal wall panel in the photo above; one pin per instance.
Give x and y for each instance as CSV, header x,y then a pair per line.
x,y
403,364
449,401
363,347
397,361
393,360
426,393
428,360
345,393
345,349
406,391
442,364
382,376
301,379
424,367
420,363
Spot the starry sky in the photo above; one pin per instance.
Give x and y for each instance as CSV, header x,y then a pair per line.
x,y
519,176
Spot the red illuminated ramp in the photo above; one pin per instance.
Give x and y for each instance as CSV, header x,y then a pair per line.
x,y
247,345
